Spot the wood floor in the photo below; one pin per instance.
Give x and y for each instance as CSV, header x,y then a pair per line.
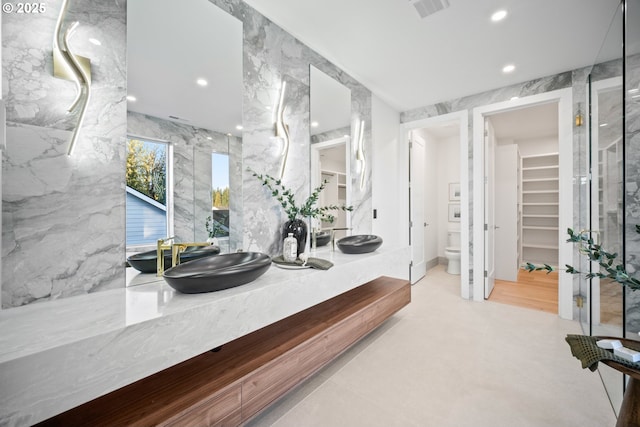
x,y
536,290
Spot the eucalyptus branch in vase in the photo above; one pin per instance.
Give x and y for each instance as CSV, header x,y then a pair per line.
x,y
296,213
286,198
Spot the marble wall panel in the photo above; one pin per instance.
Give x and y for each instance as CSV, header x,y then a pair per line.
x,y
36,104
63,217
330,135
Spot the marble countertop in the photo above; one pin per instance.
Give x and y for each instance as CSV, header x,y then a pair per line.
x,y
60,354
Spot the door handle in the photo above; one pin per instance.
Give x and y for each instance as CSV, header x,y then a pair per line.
x,y
496,227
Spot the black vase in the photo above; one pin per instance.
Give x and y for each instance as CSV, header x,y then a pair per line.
x,y
298,228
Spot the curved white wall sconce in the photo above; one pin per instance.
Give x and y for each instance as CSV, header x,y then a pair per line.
x,y
360,153
282,129
70,66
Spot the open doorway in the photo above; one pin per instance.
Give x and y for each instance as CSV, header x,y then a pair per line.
x,y
331,165
522,204
547,198
438,198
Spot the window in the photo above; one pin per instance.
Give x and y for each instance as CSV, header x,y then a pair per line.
x,y
147,197
220,193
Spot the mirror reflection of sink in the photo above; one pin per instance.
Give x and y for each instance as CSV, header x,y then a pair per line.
x,y
146,262
322,238
217,273
359,244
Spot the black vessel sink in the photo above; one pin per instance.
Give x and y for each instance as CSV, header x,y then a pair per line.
x,y
322,238
146,262
218,272
359,244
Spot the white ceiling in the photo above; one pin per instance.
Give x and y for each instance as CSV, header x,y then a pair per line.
x,y
538,121
407,61
169,47
411,62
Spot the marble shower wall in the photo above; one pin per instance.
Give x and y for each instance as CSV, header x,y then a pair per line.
x,y
192,173
62,217
271,55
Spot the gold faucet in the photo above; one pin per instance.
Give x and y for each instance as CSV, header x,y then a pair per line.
x,y
162,245
333,236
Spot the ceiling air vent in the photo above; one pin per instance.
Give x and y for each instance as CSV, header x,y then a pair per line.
x,y
429,7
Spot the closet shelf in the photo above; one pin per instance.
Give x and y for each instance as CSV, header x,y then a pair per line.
x,y
537,246
536,168
540,179
541,192
540,184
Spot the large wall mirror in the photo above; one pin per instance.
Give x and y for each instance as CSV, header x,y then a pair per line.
x,y
184,120
330,115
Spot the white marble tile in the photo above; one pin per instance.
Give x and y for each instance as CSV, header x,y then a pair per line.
x,y
63,217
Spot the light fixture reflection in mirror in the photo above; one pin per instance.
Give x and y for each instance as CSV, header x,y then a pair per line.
x,y
362,164
282,129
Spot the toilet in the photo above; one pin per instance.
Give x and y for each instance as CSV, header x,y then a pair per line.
x,y
452,252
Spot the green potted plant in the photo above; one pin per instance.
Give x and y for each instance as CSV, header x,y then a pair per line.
x,y
297,212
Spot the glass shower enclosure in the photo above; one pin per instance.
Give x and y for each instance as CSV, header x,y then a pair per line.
x,y
607,183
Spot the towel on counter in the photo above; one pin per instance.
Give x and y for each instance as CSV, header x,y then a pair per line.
x,y
317,263
585,349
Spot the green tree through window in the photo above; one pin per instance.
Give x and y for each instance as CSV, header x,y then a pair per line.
x,y
146,169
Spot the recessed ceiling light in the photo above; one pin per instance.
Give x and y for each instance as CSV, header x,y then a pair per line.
x,y
202,82
239,127
603,125
499,15
229,134
209,138
513,98
131,98
508,68
636,90
314,124
95,41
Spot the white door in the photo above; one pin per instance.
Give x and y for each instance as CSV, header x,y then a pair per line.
x,y
506,212
489,208
416,200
